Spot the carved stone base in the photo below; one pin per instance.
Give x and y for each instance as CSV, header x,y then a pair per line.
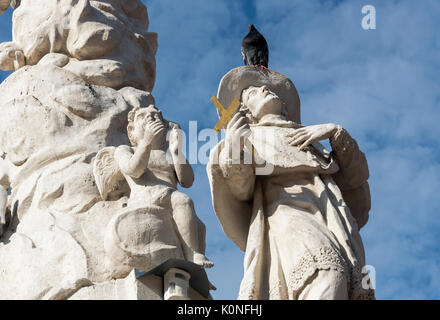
x,y
146,287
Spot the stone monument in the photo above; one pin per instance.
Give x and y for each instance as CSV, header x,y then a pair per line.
x,y
292,206
89,210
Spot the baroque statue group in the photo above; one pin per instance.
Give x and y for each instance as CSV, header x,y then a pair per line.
x,y
90,206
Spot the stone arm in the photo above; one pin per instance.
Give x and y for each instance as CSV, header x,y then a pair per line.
x,y
183,170
352,176
11,57
239,177
133,164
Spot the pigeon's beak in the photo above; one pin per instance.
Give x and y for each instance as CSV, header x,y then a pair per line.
x,y
251,26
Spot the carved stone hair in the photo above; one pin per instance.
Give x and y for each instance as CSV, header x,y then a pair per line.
x,y
130,126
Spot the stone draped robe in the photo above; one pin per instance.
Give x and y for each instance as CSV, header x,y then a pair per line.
x,y
302,218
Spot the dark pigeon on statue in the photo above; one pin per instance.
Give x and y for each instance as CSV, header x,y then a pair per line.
x,y
254,49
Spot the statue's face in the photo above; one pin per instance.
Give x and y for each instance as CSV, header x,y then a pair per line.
x,y
261,101
140,120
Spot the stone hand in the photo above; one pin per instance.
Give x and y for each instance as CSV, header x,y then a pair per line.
x,y
11,57
154,130
237,128
307,135
175,139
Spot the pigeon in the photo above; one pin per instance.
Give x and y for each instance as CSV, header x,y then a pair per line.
x,y
254,49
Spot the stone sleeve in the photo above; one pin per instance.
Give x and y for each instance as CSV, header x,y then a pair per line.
x,y
352,176
239,177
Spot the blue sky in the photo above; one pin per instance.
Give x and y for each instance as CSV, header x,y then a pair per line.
x,y
381,85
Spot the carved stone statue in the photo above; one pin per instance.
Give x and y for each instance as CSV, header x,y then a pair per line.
x,y
143,232
104,42
292,206
80,68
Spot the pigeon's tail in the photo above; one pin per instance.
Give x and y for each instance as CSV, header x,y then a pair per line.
x,y
254,49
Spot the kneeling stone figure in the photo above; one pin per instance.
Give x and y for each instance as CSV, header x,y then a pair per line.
x,y
158,222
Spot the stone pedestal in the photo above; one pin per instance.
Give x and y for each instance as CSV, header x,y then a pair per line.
x,y
145,287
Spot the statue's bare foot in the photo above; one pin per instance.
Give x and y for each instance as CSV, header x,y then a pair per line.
x,y
203,261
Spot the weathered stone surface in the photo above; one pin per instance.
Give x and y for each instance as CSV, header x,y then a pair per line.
x,y
54,123
106,42
149,287
80,68
128,288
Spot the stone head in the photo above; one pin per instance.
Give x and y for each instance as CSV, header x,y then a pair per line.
x,y
261,92
137,121
260,101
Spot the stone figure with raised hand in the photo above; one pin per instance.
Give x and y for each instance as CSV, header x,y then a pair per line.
x,y
80,67
299,221
152,177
